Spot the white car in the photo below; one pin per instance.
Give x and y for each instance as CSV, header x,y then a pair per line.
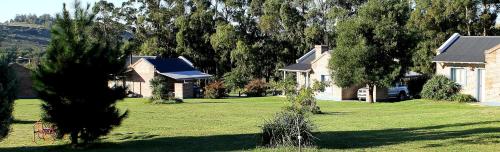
x,y
399,91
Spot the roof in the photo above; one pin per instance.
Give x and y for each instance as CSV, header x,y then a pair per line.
x,y
297,67
308,57
163,65
132,59
183,75
466,49
176,68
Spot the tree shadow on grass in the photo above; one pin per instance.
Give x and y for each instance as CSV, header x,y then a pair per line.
x,y
376,138
341,140
161,144
16,121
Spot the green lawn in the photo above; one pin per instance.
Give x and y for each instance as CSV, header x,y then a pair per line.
x,y
233,125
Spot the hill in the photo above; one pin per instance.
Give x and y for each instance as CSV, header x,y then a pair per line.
x,y
23,40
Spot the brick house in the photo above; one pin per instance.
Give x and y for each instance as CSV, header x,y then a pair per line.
x,y
180,73
313,66
25,83
472,62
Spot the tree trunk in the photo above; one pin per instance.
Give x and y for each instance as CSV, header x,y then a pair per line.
x,y
369,97
239,93
74,138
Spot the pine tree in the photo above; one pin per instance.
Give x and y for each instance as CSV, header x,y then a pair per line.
x,y
8,85
73,77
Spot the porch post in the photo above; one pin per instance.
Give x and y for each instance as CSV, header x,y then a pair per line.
x,y
307,79
284,78
284,74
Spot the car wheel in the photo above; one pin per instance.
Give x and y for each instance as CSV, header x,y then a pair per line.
x,y
402,96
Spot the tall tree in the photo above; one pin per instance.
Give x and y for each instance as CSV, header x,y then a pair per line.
x,y
8,86
153,24
433,21
72,80
193,36
372,46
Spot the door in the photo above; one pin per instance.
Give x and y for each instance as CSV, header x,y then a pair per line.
x,y
480,85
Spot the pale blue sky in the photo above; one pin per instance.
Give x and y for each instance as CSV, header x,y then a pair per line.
x,y
9,8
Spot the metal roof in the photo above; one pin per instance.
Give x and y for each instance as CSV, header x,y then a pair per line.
x,y
183,75
164,65
176,68
467,49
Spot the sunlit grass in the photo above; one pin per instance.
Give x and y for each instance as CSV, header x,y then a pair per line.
x,y
233,125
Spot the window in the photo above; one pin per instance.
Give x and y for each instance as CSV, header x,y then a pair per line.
x,y
459,75
325,78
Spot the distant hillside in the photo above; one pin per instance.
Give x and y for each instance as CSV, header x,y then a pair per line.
x,y
24,36
23,40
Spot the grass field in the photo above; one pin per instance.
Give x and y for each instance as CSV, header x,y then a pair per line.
x,y
233,125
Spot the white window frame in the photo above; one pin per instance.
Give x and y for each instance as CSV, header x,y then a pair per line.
x,y
462,79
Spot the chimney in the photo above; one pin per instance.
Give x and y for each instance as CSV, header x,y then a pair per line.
x,y
319,49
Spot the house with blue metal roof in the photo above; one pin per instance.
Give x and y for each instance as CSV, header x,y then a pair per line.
x,y
180,73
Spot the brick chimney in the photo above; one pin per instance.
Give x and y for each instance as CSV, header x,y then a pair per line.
x,y
319,49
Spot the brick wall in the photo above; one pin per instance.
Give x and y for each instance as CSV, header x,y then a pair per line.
x,y
492,79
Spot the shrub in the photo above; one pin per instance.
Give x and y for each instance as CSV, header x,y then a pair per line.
x,y
235,81
319,86
304,101
440,88
160,87
8,87
287,85
215,90
285,128
464,98
256,88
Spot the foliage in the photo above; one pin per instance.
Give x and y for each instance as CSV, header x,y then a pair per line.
x,y
73,77
303,101
161,88
256,88
287,85
236,80
215,90
463,98
440,87
416,85
433,22
373,46
8,90
319,86
44,19
285,129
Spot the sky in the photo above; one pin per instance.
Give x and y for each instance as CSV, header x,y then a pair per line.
x,y
9,8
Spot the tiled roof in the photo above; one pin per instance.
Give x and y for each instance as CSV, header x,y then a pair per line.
x,y
468,49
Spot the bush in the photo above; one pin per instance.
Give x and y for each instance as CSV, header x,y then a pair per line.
x,y
160,87
303,101
215,90
285,128
463,98
235,81
256,88
440,88
8,87
286,86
